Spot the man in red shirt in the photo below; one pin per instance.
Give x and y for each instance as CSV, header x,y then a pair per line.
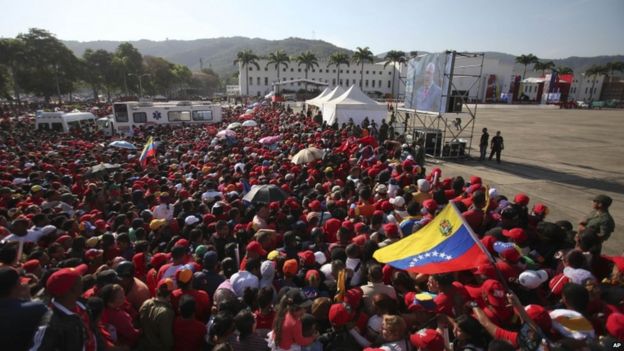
x,y
188,332
184,277
452,295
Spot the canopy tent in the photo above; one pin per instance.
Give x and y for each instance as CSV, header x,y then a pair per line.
x,y
353,104
314,101
336,92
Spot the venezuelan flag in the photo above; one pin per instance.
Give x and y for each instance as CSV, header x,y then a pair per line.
x,y
148,151
446,244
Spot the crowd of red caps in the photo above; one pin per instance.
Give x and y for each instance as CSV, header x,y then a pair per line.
x,y
171,256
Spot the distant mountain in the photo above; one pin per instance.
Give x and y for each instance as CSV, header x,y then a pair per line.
x,y
216,53
219,53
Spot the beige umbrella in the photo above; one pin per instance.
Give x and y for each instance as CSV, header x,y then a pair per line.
x,y
307,155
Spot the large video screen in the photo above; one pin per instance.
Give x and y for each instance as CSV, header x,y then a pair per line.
x,y
425,84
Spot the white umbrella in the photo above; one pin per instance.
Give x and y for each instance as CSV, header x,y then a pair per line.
x,y
234,125
250,123
249,110
122,144
226,133
310,154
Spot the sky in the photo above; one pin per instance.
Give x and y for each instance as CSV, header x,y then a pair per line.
x,y
546,28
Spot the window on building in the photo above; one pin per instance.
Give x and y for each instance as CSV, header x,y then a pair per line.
x,y
284,70
313,71
298,69
326,71
250,68
586,89
366,83
389,84
139,117
347,82
333,81
202,115
250,80
179,116
333,71
366,72
266,80
340,71
380,84
292,69
266,69
389,73
258,80
373,83
341,82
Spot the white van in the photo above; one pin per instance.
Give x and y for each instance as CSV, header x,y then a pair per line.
x,y
65,122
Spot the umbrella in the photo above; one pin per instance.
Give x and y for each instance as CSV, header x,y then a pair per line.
x,y
250,123
249,111
245,117
122,144
265,194
270,140
103,167
226,133
234,125
310,154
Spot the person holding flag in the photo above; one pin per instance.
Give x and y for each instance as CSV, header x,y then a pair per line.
x,y
148,151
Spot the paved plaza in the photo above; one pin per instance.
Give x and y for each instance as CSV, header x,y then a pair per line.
x,y
560,157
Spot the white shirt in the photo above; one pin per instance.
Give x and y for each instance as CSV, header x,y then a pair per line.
x,y
161,212
32,236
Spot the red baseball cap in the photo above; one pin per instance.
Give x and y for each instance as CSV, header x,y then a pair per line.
x,y
516,234
359,240
615,325
495,292
315,205
353,297
340,314
255,246
521,199
61,281
510,255
158,259
428,339
391,229
430,204
486,269
167,283
307,257
30,265
540,316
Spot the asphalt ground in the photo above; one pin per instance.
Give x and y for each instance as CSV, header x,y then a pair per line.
x,y
562,158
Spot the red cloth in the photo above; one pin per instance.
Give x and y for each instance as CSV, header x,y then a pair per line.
x,y
264,321
121,321
292,333
202,302
445,302
503,334
188,334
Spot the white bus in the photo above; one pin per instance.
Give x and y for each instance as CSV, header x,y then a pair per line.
x,y
127,115
65,122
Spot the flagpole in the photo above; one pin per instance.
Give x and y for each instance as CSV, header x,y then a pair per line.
x,y
500,275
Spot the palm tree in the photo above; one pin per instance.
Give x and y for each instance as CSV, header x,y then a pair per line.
x,y
617,66
337,59
563,70
309,61
278,58
361,56
595,71
246,58
395,57
543,66
526,60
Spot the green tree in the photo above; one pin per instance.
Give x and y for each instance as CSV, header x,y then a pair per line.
x,y
360,57
127,60
338,59
205,83
612,67
12,58
526,60
543,66
595,71
308,60
394,57
159,74
244,59
277,59
49,67
98,71
563,70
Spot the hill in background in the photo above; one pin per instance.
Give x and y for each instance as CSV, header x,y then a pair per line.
x,y
219,53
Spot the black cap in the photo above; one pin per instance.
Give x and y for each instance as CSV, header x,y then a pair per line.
x,y
105,277
298,299
125,269
604,200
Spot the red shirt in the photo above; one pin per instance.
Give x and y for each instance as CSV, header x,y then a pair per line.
x,y
151,280
188,334
264,321
292,333
202,302
445,303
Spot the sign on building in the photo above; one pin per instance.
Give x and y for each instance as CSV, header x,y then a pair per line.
x,y
232,90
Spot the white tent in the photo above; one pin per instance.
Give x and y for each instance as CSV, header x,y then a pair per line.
x,y
314,100
336,92
353,104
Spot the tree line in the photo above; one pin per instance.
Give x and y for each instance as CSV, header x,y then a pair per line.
x,y
38,63
607,69
308,60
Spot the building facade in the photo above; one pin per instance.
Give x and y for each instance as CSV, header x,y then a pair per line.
x,y
586,88
376,80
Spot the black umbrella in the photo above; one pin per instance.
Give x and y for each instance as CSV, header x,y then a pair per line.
x,y
265,194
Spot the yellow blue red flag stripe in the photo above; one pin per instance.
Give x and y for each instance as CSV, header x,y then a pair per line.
x,y
446,244
148,151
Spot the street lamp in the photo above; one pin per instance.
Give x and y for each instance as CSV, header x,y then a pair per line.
x,y
139,76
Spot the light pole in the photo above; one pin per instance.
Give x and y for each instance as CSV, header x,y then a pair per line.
x,y
139,76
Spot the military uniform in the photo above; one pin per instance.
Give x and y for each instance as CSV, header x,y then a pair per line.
x,y
601,223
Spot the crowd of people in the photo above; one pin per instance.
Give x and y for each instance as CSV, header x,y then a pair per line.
x,y
170,255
